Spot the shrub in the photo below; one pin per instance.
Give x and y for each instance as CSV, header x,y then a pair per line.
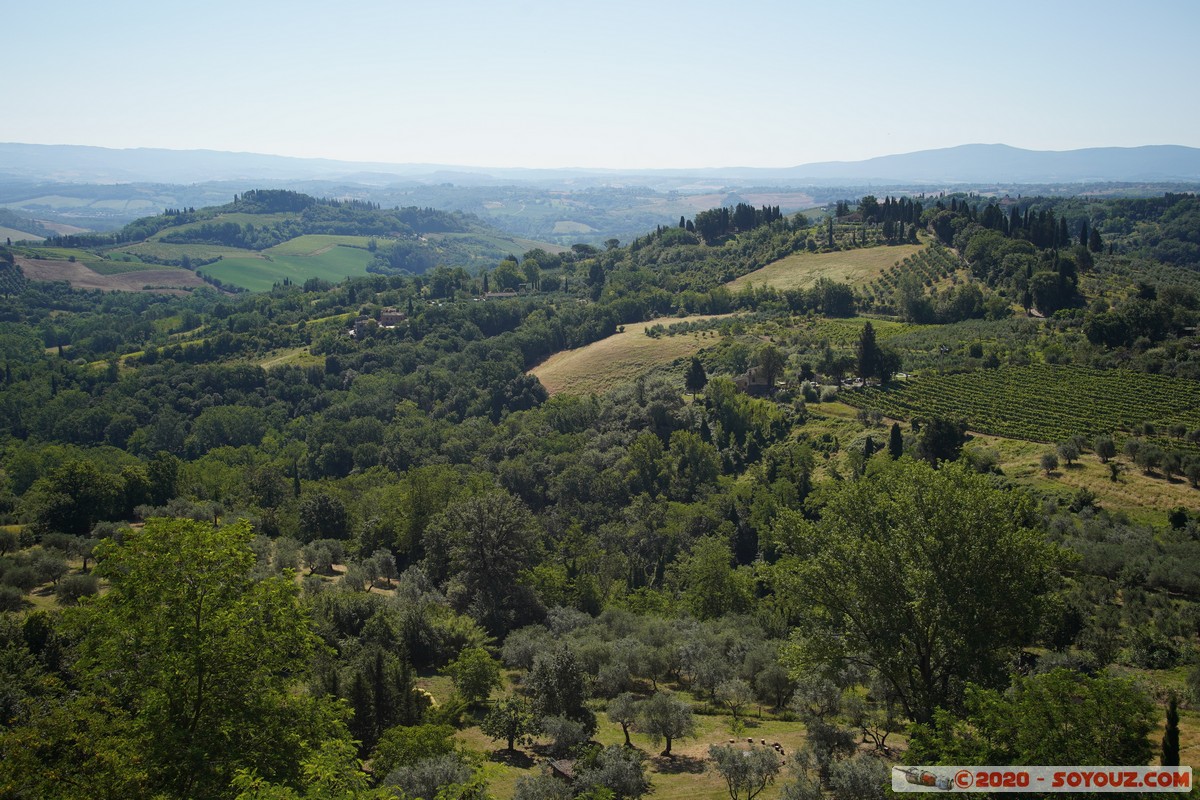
x,y
71,588
567,735
11,598
26,579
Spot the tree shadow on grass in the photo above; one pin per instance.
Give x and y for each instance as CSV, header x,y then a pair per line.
x,y
676,765
513,758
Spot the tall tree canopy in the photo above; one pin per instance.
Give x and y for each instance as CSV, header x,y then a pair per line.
x,y
187,668
927,576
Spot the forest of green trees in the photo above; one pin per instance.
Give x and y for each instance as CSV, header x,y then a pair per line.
x,y
246,555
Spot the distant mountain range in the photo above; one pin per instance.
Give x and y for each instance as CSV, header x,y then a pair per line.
x,y
966,164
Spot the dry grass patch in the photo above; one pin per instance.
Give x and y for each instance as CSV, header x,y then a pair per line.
x,y
801,270
295,357
620,358
1144,497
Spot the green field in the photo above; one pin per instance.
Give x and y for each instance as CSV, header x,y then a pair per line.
x,y
86,257
511,246
800,270
257,220
174,252
569,226
847,332
1042,402
313,243
120,267
260,274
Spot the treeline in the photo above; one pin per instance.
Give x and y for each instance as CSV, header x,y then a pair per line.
x,y
312,216
1032,258
742,218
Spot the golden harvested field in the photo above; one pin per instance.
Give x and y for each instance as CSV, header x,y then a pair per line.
x,y
801,270
16,235
620,358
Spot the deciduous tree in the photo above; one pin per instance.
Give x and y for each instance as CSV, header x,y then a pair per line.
x,y
475,674
509,720
874,580
198,658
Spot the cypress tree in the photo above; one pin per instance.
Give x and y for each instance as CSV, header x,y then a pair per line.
x,y
362,724
1170,740
868,353
696,377
896,442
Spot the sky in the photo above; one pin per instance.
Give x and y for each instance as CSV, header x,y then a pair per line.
x,y
622,85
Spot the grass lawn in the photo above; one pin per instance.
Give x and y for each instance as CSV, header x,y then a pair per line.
x,y
800,270
619,358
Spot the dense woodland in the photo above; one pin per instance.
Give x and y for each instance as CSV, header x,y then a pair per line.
x,y
225,580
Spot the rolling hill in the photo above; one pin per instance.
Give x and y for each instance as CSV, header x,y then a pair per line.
x,y
269,236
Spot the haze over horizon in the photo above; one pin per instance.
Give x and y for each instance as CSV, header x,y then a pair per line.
x,y
615,86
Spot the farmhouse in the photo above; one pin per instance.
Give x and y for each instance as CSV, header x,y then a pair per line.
x,y
752,381
391,317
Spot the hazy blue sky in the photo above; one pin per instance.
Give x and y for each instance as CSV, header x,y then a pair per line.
x,y
600,84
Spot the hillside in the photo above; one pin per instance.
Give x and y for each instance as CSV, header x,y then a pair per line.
x,y
266,237
457,523
106,189
19,227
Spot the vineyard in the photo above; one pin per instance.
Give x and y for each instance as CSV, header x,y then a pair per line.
x,y
844,333
12,280
930,265
1046,403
